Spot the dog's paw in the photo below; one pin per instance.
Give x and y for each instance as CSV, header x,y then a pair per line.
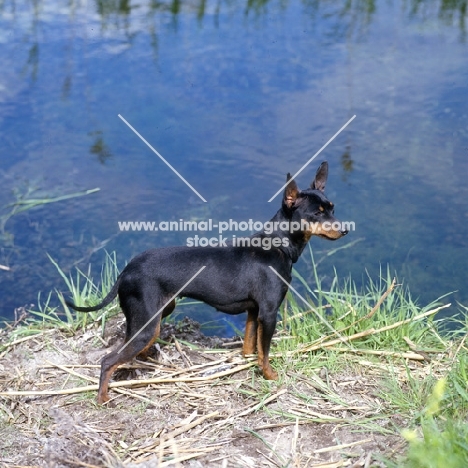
x,y
270,374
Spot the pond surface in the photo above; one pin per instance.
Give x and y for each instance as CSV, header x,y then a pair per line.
x,y
233,94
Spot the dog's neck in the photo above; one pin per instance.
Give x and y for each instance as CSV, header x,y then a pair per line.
x,y
296,240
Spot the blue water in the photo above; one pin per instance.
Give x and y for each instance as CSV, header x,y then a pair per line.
x,y
234,95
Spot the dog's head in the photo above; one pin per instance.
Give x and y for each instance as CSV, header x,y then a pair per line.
x,y
311,207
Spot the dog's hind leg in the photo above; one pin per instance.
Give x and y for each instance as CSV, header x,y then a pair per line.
x,y
114,359
166,311
140,335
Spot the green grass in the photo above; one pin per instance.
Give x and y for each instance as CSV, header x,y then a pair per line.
x,y
437,441
82,291
348,311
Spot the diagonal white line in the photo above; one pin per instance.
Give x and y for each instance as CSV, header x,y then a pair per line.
x,y
161,309
160,156
313,157
311,307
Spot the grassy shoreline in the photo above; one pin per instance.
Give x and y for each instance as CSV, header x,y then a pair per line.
x,y
367,378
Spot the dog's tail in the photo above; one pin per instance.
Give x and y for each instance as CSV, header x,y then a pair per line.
x,y
106,301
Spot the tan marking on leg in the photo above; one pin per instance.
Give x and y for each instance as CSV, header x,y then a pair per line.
x,y
250,336
143,354
263,357
103,392
259,343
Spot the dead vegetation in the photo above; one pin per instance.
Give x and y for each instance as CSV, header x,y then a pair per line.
x,y
197,403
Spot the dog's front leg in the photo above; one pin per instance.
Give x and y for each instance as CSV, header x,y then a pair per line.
x,y
266,328
250,335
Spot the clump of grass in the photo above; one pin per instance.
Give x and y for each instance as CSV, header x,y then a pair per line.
x,y
406,394
83,291
438,441
344,311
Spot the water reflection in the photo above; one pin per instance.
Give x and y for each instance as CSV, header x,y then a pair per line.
x,y
347,162
127,20
32,63
116,14
235,94
99,147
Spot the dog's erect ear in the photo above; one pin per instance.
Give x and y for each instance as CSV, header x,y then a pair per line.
x,y
320,178
291,192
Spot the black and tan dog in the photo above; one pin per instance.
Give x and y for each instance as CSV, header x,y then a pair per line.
x,y
234,280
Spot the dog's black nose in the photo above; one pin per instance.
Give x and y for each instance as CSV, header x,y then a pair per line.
x,y
343,233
